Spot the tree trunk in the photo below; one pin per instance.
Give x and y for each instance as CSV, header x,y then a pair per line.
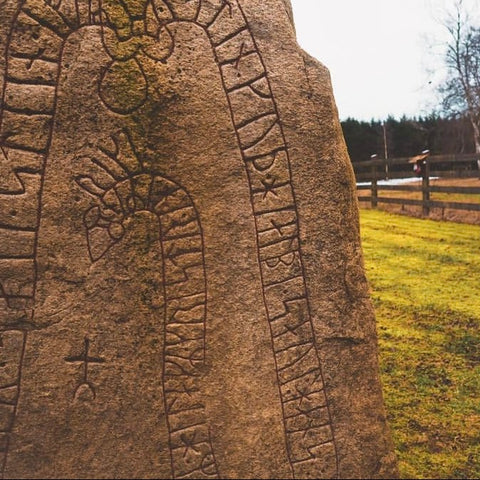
x,y
476,138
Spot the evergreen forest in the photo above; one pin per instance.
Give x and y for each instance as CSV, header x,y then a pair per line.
x,y
407,137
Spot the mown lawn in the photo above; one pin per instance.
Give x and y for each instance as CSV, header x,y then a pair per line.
x,y
425,279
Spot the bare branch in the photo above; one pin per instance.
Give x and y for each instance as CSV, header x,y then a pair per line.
x,y
461,89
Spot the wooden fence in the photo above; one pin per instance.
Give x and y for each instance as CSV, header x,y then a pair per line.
x,y
370,173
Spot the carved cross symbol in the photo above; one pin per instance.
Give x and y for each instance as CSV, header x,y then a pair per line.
x,y
304,395
86,359
189,442
269,184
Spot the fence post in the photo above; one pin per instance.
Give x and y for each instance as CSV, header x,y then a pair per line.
x,y
374,194
426,187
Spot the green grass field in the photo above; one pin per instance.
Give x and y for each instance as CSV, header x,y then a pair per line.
x,y
425,279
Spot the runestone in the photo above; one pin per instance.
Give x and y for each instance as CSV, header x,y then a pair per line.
x,y
182,290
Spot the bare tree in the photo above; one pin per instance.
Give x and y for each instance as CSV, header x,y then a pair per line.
x,y
461,89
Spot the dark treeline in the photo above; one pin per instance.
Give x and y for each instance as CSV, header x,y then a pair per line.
x,y
407,137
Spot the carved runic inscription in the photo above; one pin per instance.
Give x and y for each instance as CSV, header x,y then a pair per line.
x,y
85,359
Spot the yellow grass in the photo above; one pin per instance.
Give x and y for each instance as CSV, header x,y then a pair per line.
x,y
425,279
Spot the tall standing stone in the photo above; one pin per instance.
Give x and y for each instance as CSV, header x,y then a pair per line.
x,y
181,283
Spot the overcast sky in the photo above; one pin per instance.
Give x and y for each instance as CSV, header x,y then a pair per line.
x,y
382,54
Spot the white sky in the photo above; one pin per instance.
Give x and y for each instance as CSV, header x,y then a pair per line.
x,y
382,54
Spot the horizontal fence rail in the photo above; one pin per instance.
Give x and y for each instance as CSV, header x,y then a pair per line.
x,y
370,173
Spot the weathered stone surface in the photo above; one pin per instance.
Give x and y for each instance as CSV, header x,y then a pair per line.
x,y
181,283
